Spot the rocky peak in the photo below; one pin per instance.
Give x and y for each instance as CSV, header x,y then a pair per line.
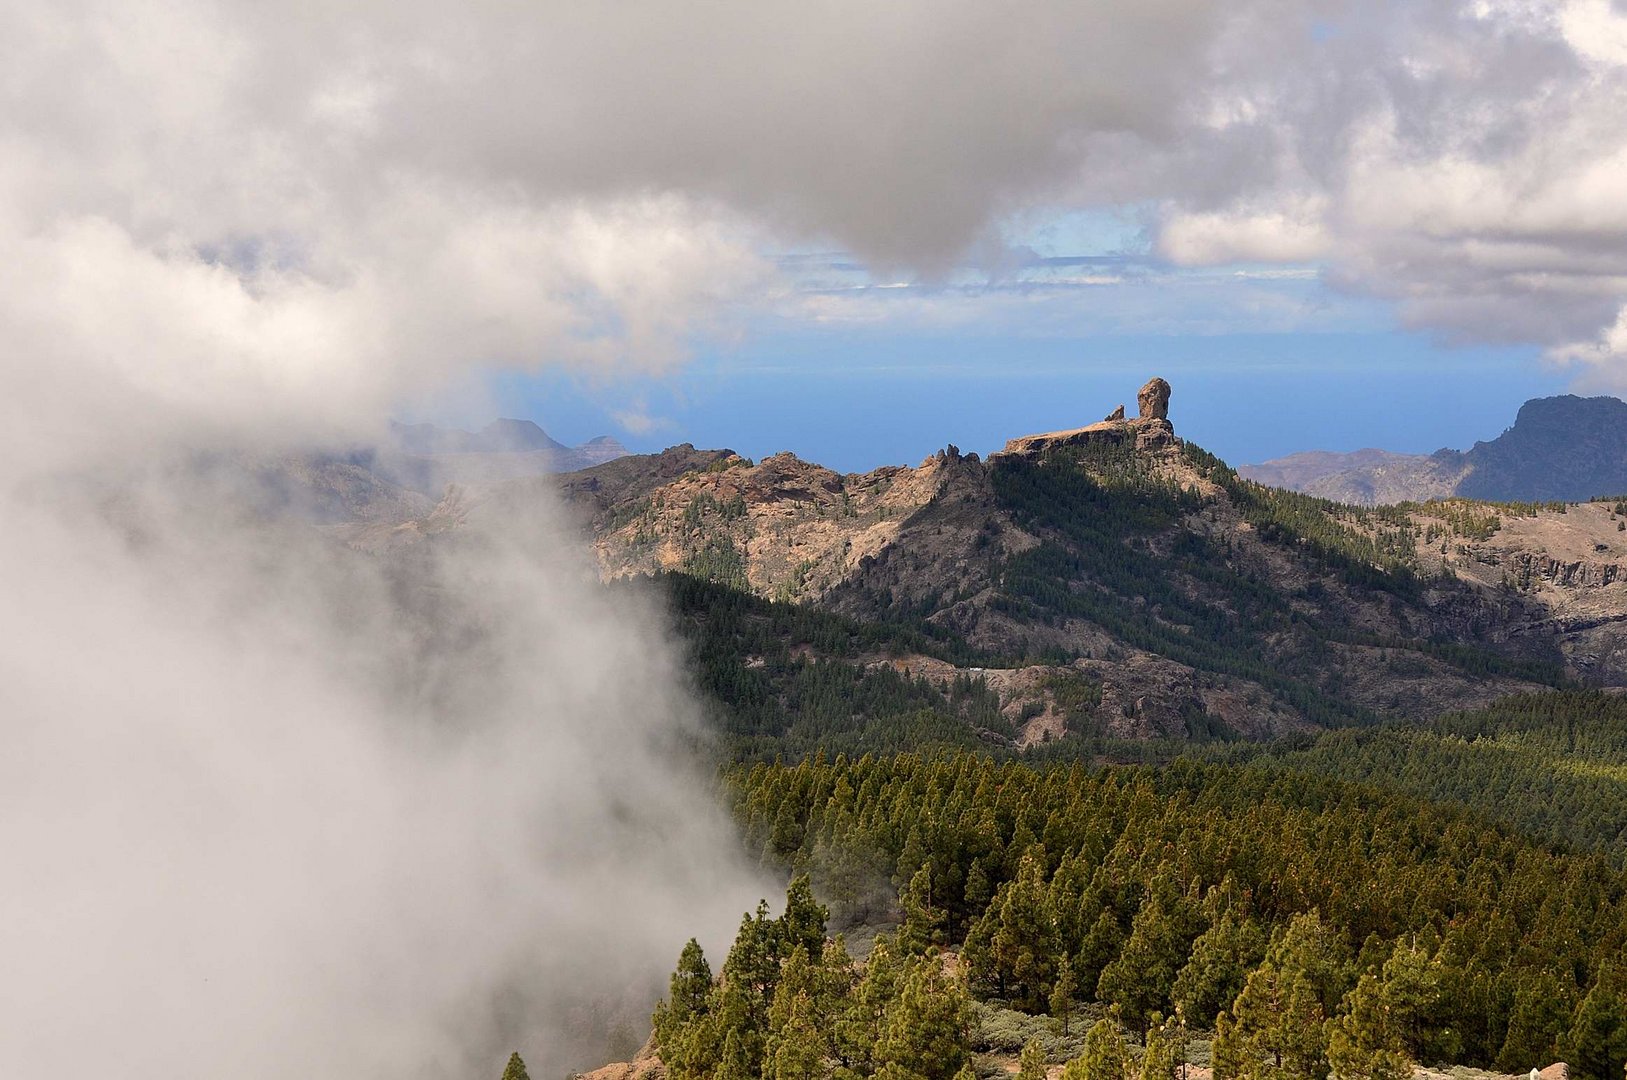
x,y
1149,431
1153,400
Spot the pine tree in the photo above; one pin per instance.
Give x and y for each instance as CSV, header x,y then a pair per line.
x,y
1363,1042
798,1049
859,1028
1220,961
1277,1028
923,922
516,1068
680,1019
1014,945
734,1063
1166,1049
1140,979
1063,992
752,967
927,1027
1596,1045
804,920
1104,1056
1031,1062
1543,1003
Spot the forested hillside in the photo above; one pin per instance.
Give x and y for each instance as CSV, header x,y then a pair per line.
x,y
1359,902
1294,924
1553,766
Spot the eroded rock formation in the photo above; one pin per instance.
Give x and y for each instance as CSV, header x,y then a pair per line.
x,y
1153,400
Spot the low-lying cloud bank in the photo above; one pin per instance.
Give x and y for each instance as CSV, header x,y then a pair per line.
x,y
271,807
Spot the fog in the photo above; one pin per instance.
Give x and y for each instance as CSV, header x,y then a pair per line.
x,y
276,809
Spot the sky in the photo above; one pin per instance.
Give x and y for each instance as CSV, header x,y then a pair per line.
x,y
670,223
857,397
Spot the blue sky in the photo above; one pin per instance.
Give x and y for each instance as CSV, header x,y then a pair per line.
x,y
1246,397
855,371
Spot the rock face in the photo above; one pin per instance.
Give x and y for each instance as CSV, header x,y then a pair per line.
x,y
1116,414
1153,400
1563,448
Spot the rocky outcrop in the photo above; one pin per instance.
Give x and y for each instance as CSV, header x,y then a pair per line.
x,y
1153,400
1149,431
646,1065
1524,567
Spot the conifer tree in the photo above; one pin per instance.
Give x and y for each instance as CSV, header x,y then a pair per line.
x,y
1166,1049
1063,992
1214,973
1596,1045
923,922
734,1062
1363,1042
753,965
1140,979
1031,1062
927,1027
1015,945
799,1048
516,1068
1277,1025
804,920
680,1021
1104,1056
859,1028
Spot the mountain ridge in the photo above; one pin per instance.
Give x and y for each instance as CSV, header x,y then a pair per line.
x,y
1105,582
1563,448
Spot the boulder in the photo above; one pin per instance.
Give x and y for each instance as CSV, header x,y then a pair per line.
x,y
1153,400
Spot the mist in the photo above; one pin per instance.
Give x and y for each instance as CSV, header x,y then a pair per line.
x,y
278,808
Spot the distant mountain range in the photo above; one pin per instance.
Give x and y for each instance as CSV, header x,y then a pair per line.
x,y
1560,449
505,436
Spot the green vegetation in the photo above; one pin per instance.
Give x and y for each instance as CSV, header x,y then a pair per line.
x,y
1553,766
1376,555
1350,902
704,506
790,1005
1309,921
786,679
1186,602
719,562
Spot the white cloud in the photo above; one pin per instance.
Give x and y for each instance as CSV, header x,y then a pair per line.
x,y
1290,235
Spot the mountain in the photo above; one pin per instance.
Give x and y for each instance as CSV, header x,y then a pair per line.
x,y
426,458
1366,477
1106,583
1563,449
501,436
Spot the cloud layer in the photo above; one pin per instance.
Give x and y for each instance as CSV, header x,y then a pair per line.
x,y
416,185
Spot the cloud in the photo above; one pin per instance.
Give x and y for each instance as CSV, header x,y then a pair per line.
x,y
1463,161
319,814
